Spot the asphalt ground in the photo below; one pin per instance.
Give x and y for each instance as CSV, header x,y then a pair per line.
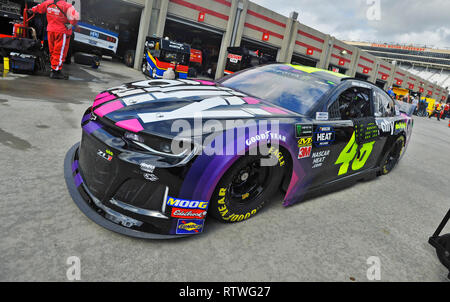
x,y
328,238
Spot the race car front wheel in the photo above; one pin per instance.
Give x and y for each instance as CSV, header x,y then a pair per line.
x,y
246,187
393,155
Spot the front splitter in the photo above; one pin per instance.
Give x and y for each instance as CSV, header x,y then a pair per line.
x,y
91,213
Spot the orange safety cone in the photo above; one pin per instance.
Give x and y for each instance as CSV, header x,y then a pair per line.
x,y
449,124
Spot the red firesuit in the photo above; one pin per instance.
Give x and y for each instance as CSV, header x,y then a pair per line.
x,y
61,16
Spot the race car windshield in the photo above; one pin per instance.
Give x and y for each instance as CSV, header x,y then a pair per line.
x,y
284,85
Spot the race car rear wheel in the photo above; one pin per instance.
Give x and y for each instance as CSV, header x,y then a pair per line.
x,y
393,155
246,187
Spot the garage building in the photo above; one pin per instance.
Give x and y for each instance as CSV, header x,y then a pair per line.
x,y
215,25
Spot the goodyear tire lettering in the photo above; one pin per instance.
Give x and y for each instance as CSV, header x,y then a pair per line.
x,y
278,154
222,192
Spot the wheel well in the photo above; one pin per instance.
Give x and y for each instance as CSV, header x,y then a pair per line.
x,y
287,170
388,146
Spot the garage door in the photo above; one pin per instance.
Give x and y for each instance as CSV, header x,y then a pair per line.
x,y
201,37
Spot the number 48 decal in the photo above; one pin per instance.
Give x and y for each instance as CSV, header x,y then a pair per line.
x,y
349,154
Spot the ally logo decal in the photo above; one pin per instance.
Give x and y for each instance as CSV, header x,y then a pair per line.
x,y
349,156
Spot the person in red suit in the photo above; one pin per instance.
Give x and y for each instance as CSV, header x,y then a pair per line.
x,y
61,17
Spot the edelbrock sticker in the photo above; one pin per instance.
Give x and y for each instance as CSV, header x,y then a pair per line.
x,y
188,213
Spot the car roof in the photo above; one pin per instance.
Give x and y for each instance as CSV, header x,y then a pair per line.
x,y
318,72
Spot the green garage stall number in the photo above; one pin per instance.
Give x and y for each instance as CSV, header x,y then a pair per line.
x,y
349,154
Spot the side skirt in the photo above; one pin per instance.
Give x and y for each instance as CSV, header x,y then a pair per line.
x,y
342,183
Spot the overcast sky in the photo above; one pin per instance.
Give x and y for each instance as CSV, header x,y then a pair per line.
x,y
424,22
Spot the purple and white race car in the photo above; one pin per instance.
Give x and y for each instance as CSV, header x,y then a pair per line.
x,y
159,156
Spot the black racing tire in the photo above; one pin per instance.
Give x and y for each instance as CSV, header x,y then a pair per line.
x,y
128,58
83,58
393,155
233,201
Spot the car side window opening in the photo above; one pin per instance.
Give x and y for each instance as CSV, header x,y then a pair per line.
x,y
354,103
383,105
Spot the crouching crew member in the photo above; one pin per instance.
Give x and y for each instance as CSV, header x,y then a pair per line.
x,y
437,111
61,17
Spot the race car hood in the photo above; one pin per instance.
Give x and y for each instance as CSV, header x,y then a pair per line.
x,y
152,106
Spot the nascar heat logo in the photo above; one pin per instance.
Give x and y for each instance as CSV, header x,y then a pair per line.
x,y
324,136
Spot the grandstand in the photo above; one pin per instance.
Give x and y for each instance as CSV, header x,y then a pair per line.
x,y
430,64
440,77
